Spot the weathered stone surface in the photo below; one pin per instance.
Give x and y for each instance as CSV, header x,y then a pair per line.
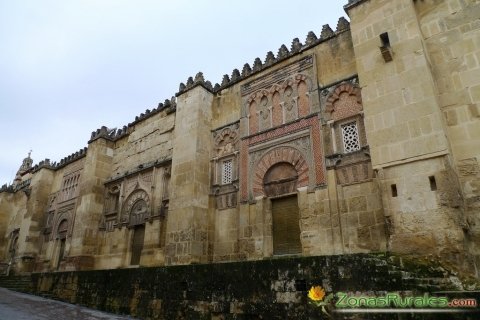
x,y
378,155
275,289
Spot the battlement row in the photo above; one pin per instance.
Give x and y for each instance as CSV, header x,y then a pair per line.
x,y
169,105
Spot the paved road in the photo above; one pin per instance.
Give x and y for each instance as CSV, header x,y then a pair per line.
x,y
19,306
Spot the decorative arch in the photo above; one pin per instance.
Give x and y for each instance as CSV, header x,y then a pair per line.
x,y
62,222
252,117
281,178
136,208
345,101
62,229
226,140
225,136
275,156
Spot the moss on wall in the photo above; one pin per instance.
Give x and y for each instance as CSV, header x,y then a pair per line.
x,y
268,289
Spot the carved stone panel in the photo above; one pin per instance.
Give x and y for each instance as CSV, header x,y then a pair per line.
x,y
226,140
298,143
136,209
354,173
61,225
121,196
344,101
280,97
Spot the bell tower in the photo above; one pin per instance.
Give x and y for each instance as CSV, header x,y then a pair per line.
x,y
26,164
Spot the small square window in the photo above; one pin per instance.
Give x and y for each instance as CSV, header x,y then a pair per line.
x,y
351,142
227,171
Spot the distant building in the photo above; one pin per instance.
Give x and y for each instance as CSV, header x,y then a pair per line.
x,y
362,139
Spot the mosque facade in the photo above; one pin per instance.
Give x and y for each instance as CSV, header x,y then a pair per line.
x,y
365,138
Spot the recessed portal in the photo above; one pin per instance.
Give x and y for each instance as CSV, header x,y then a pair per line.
x,y
137,244
286,228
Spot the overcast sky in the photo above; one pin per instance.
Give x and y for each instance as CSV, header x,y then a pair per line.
x,y
67,67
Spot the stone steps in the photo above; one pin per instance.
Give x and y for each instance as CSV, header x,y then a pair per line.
x,y
431,279
16,283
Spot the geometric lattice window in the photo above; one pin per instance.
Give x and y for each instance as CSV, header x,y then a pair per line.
x,y
351,141
227,171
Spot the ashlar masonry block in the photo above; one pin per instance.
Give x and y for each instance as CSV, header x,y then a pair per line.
x,y
187,226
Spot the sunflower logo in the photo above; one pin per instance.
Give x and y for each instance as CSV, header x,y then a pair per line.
x,y
316,294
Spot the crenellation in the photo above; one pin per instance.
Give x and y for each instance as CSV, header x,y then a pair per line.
x,y
311,38
199,78
235,75
269,59
296,46
181,87
225,80
327,32
246,71
342,25
282,52
208,85
257,65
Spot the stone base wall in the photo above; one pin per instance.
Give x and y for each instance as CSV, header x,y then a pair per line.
x,y
268,289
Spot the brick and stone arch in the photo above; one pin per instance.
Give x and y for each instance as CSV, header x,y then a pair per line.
x,y
344,102
285,155
280,179
344,108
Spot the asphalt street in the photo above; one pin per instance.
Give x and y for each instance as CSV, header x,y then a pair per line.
x,y
19,306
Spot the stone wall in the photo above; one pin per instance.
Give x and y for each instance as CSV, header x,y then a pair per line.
x,y
417,66
450,32
12,210
269,289
149,140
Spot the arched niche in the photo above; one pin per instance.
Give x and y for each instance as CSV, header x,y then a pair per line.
x,y
281,178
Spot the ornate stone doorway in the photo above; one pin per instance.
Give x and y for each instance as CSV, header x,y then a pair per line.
x,y
62,237
137,244
14,245
280,183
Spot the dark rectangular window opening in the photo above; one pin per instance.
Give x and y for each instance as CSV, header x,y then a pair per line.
x,y
385,39
394,190
433,183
